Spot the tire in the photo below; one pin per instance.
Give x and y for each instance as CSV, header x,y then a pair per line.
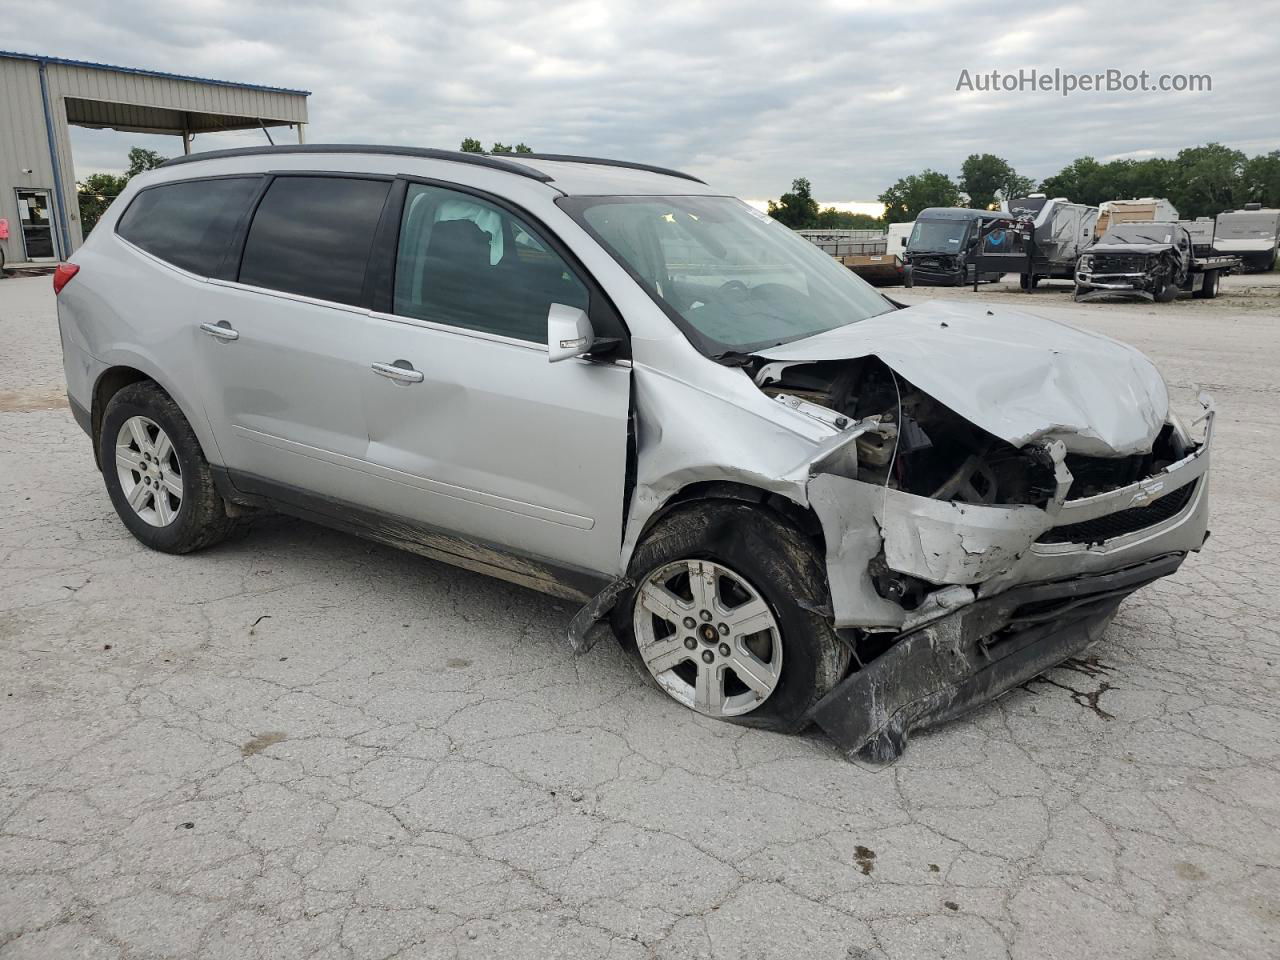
x,y
1028,281
786,572
1166,292
1209,289
196,518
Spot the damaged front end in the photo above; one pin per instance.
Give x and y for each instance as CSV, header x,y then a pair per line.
x,y
963,561
1146,275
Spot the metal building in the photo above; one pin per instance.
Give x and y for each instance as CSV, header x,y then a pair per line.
x,y
40,97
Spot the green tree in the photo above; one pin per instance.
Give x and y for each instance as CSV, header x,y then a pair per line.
x,y
141,159
1262,179
504,148
471,145
95,193
905,199
1210,180
833,219
797,209
988,179
1085,180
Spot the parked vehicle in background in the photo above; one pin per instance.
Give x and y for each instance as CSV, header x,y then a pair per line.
x,y
879,269
1060,231
896,237
1148,259
944,243
1252,234
791,499
1201,232
865,252
1111,212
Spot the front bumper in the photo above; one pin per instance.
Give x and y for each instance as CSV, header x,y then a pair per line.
x,y
1090,286
979,562
970,657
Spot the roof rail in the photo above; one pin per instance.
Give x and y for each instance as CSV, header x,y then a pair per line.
x,y
457,156
605,162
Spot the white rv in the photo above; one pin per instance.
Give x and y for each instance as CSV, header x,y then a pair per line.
x,y
1252,234
897,237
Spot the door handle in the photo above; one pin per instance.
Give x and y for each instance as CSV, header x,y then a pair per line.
x,y
394,371
222,330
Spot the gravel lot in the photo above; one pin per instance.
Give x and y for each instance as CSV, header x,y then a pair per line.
x,y
302,744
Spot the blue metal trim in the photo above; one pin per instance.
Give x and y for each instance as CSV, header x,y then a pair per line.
x,y
60,206
149,73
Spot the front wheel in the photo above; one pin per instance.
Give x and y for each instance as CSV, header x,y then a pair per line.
x,y
1165,292
722,615
156,474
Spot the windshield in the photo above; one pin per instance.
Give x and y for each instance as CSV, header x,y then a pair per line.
x,y
731,278
938,236
1140,232
1246,226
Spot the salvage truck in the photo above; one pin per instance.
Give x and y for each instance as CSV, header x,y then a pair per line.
x,y
1149,260
791,499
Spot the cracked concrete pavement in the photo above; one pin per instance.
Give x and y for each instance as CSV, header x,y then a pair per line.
x,y
301,744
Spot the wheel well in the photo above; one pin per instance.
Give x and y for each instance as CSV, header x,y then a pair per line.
x,y
109,384
802,518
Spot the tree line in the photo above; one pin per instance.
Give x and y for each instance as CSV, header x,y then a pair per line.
x,y
1200,181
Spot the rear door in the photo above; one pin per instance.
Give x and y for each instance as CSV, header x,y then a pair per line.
x,y
484,436
279,344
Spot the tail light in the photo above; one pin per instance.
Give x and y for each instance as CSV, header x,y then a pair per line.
x,y
62,276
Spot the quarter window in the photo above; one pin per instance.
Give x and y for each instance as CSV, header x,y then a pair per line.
x,y
312,236
467,263
189,223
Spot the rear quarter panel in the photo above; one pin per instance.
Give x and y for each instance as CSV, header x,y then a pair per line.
x,y
125,308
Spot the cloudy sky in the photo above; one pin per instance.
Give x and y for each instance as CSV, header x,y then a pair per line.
x,y
849,93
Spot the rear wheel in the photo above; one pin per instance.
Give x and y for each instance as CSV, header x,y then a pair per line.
x,y
721,615
156,474
1209,288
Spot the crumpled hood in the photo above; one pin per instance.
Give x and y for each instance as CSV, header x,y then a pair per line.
x,y
1015,375
1135,248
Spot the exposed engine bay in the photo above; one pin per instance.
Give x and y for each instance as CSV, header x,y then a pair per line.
x,y
922,447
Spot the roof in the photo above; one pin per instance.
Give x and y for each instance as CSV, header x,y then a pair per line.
x,y
961,213
572,175
137,71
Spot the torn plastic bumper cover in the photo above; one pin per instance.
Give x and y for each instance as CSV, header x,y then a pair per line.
x,y
973,655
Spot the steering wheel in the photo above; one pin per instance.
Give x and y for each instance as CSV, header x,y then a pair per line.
x,y
735,286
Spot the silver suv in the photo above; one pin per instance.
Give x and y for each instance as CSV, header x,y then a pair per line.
x,y
794,499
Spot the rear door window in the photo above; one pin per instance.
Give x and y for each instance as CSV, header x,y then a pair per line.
x,y
189,223
312,235
467,263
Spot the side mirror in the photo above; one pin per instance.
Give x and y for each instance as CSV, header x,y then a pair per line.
x,y
569,332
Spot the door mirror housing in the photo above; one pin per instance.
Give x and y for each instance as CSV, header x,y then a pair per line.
x,y
569,332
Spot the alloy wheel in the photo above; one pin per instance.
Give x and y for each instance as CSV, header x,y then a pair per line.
x,y
708,637
149,471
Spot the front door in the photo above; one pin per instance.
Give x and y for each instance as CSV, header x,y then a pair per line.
x,y
35,214
482,435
